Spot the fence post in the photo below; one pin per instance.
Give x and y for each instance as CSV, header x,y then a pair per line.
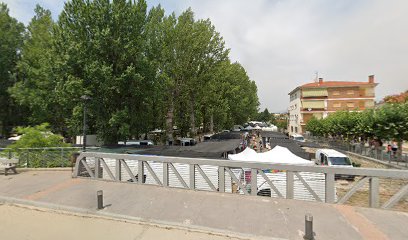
x,y
192,176
254,180
140,171
28,159
118,169
62,157
221,179
329,187
289,185
406,160
97,167
374,192
165,174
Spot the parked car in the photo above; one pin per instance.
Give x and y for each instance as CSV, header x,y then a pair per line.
x,y
298,137
188,142
137,142
330,157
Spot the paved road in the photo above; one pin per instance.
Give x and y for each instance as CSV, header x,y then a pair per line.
x,y
246,216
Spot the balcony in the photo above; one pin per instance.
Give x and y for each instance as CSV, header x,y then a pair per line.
x,y
315,93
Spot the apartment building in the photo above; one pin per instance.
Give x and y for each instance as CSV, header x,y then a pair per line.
x,y
319,99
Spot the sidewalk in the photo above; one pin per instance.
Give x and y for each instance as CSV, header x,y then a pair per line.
x,y
212,213
20,222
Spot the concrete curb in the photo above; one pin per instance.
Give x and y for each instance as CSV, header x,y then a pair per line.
x,y
62,209
44,169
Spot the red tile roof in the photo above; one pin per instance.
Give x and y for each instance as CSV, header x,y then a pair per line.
x,y
335,84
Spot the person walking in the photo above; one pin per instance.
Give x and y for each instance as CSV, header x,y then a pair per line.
x,y
394,147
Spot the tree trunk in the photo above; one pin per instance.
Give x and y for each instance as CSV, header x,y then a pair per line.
x,y
211,123
193,132
169,122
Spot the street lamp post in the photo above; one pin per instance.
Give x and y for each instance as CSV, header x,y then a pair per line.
x,y
85,98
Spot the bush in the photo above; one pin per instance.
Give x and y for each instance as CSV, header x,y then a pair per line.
x,y
40,137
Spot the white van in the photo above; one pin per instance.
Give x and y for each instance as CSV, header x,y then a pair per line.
x,y
330,157
298,137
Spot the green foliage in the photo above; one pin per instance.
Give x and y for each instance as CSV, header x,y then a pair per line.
x,y
388,122
11,40
391,122
281,124
316,127
30,147
38,136
264,116
36,87
143,70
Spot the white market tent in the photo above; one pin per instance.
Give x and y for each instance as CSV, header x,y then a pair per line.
x,y
270,129
257,127
277,155
282,155
248,128
247,155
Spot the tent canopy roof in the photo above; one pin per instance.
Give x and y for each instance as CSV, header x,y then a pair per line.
x,y
277,155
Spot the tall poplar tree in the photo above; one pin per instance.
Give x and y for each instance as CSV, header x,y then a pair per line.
x,y
100,45
11,39
35,87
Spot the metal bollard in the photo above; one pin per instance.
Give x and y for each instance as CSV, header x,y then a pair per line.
x,y
99,195
309,234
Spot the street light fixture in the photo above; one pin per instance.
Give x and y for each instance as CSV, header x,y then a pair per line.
x,y
85,99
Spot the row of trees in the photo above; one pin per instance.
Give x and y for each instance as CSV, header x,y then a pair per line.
x,y
388,122
266,116
142,69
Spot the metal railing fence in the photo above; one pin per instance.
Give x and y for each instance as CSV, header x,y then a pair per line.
x,y
160,170
41,157
379,153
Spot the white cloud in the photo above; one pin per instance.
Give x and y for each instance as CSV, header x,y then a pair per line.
x,y
282,43
23,10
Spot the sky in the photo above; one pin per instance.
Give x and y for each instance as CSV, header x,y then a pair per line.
x,y
283,43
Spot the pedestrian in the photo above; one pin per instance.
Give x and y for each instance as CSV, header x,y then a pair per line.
x,y
394,147
389,149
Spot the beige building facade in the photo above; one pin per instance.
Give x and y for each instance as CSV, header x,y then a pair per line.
x,y
321,98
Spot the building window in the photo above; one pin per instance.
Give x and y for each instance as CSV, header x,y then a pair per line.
x,y
293,96
291,128
350,104
337,105
369,104
295,129
369,92
350,92
336,93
